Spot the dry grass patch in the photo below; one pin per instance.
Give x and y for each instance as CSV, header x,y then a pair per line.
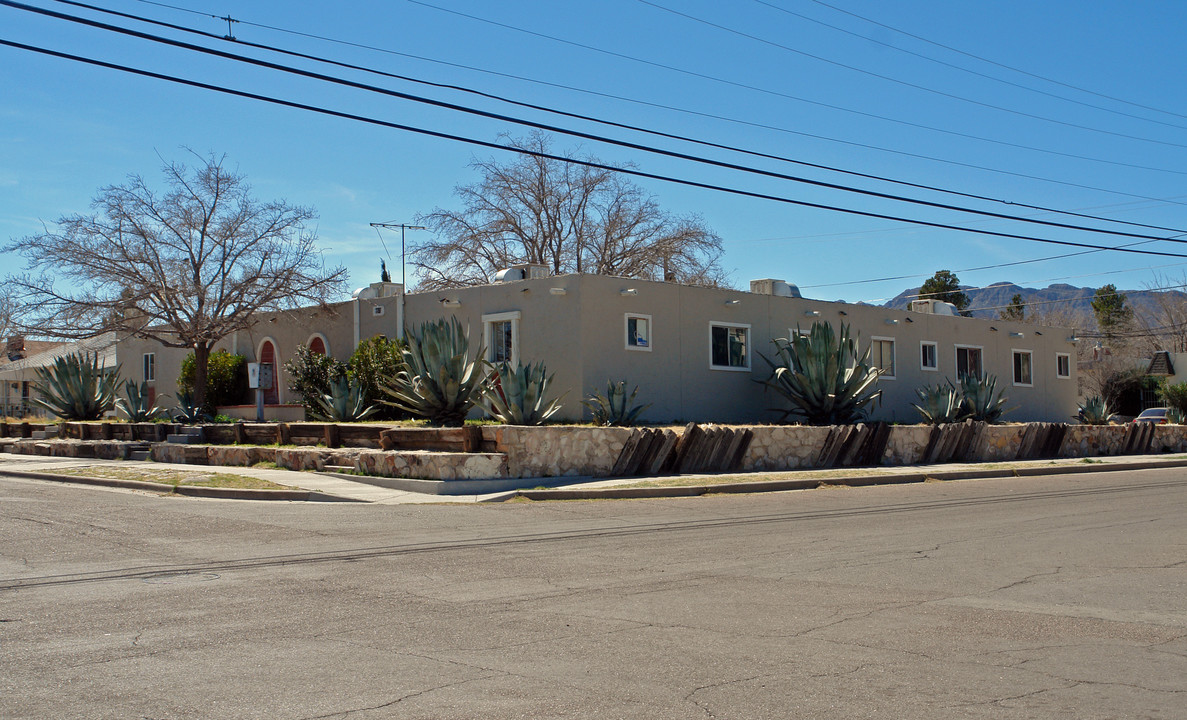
x,y
177,477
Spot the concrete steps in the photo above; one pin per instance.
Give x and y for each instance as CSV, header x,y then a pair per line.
x,y
189,435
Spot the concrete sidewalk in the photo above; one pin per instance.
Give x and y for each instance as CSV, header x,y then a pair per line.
x,y
337,487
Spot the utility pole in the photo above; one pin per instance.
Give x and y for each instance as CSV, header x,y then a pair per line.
x,y
403,253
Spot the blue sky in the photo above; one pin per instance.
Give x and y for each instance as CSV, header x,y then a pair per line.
x,y
67,129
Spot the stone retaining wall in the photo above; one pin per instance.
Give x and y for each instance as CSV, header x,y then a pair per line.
x,y
558,451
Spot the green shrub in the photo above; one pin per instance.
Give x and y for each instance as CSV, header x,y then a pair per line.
x,y
824,375
1094,411
939,404
615,408
1173,396
226,380
978,400
374,362
438,382
311,376
135,403
516,396
343,403
76,387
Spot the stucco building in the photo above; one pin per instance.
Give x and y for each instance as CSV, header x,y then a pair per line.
x,y
692,351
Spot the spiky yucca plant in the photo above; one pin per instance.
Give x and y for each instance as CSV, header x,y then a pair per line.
x,y
187,411
1175,416
135,403
438,382
345,402
1094,411
824,376
516,396
77,387
978,401
939,404
615,408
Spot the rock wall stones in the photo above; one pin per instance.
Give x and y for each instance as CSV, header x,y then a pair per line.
x,y
556,451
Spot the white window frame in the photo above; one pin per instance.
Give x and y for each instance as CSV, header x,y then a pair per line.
x,y
626,332
893,356
1064,356
749,349
488,326
956,359
1014,352
148,366
935,356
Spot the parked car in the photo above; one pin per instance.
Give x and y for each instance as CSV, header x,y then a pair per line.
x,y
1153,415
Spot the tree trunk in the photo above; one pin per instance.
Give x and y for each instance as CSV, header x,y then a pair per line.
x,y
201,363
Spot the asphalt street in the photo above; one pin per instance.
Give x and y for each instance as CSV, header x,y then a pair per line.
x,y
1046,597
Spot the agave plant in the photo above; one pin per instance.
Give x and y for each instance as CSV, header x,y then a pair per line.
x,y
824,376
76,387
345,402
135,403
978,401
516,396
188,411
939,404
438,382
1175,416
1094,411
614,408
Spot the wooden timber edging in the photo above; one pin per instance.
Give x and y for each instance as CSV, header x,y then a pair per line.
x,y
954,442
854,445
697,449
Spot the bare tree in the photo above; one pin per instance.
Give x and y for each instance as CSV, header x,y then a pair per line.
x,y
1168,316
185,267
7,313
572,218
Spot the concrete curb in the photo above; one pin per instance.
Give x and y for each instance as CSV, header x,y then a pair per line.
x,y
850,481
187,490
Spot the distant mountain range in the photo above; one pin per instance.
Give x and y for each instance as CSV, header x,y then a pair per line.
x,y
1067,300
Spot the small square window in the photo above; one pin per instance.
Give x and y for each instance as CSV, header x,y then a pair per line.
x,y
1063,365
882,356
1022,368
927,356
638,332
729,346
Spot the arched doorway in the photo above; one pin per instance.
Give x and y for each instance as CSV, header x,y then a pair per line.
x,y
268,357
317,345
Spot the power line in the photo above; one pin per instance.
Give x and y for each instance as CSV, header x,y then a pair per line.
x,y
549,156
588,118
998,64
961,68
776,93
905,83
598,138
661,106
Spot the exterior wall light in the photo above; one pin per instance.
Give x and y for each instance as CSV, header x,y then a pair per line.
x,y
1016,334
891,321
733,302
628,291
811,313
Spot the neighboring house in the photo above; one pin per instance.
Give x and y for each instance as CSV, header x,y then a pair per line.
x,y
18,371
692,351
